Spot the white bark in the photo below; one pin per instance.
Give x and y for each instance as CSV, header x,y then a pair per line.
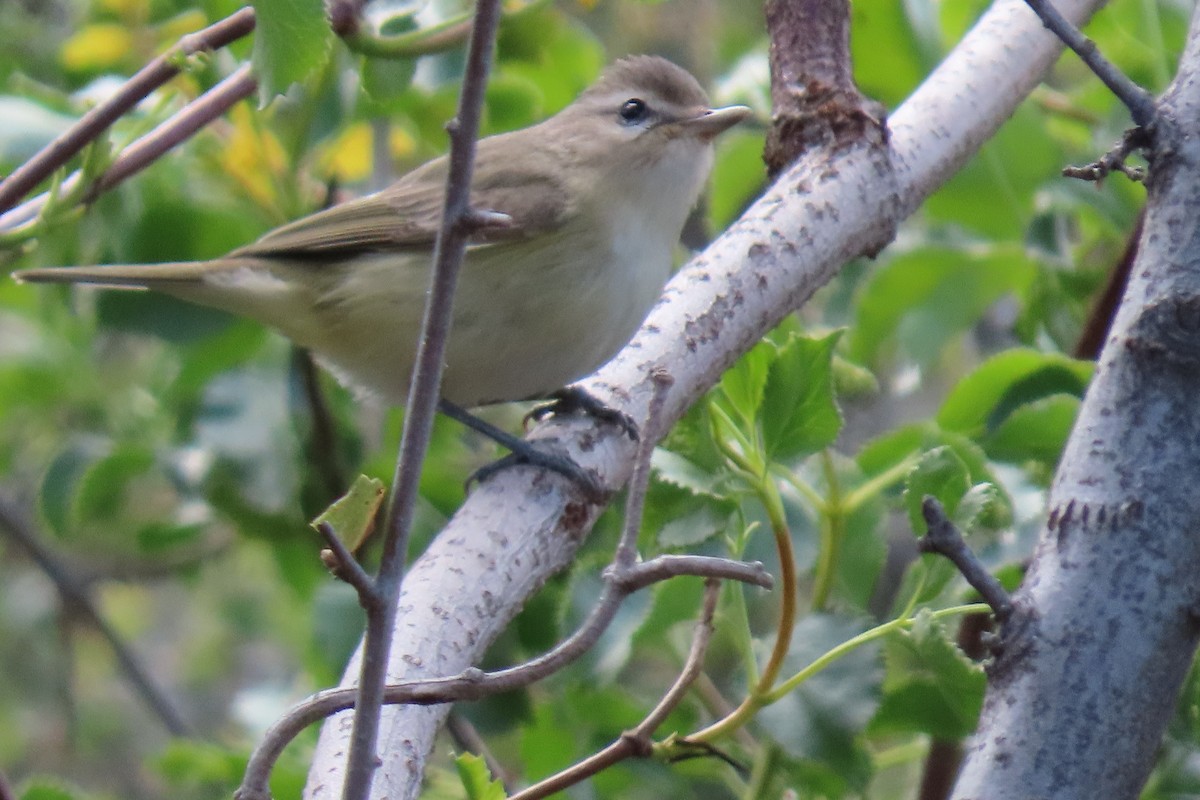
x,y
521,527
1107,620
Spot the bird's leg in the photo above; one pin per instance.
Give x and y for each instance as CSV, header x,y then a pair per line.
x,y
576,399
523,452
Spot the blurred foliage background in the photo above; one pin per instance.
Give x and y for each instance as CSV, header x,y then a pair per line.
x,y
169,456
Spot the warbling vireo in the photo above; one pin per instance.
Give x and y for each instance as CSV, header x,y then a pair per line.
x,y
597,195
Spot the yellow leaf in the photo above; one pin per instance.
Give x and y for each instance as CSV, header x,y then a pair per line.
x,y
96,47
401,144
348,156
252,156
181,25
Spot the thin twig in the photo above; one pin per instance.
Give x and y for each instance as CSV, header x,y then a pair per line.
x,y
1114,159
944,538
474,684
637,741
456,227
1139,102
77,598
345,566
467,739
191,118
639,481
143,152
92,124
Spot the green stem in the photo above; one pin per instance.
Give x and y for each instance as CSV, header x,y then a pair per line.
x,y
833,530
424,41
878,632
769,495
871,487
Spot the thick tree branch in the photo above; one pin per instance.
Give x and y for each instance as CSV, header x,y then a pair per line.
x,y
523,525
472,684
1105,625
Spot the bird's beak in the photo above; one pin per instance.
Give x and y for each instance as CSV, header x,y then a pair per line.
x,y
713,121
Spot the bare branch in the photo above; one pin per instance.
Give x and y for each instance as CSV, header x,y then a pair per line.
x,y
635,503
179,128
474,684
77,598
637,741
944,538
89,127
1114,159
146,150
424,392
1139,102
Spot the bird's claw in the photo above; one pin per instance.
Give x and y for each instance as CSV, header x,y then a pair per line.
x,y
575,399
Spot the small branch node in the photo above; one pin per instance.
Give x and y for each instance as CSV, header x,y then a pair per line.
x,y
345,567
945,539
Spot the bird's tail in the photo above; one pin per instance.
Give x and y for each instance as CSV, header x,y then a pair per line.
x,y
133,276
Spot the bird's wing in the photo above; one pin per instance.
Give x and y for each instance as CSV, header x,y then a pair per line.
x,y
406,215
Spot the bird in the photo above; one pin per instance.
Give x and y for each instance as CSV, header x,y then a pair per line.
x,y
593,201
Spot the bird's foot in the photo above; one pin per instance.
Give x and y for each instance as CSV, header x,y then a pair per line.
x,y
576,399
523,452
530,455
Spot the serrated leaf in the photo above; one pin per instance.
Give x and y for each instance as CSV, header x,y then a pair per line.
x,y
691,529
799,415
476,778
292,40
942,474
822,719
684,473
743,384
981,506
352,516
931,687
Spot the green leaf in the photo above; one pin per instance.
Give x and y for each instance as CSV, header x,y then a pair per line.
x,y
823,718
102,489
1037,431
45,787
981,402
931,686
923,299
743,384
385,81
799,415
292,40
942,474
476,779
56,500
352,516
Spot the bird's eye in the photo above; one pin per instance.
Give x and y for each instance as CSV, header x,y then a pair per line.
x,y
634,110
